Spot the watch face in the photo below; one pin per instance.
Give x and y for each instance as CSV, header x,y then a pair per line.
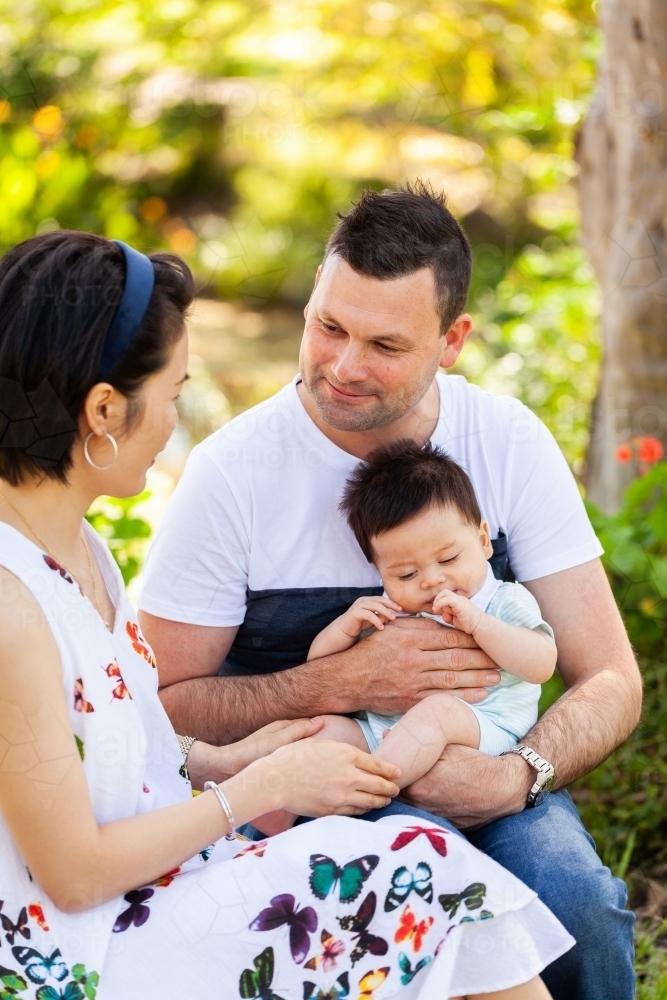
x,y
549,783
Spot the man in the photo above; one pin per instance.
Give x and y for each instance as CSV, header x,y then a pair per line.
x,y
253,559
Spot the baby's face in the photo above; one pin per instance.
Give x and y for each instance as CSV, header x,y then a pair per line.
x,y
434,551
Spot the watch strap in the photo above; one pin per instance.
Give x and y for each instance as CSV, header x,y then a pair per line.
x,y
185,743
546,773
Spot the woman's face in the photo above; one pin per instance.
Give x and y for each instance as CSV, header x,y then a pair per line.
x,y
148,435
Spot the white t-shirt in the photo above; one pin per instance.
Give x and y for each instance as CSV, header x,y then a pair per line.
x,y
253,537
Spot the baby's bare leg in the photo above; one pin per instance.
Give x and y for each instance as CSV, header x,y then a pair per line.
x,y
337,728
534,990
417,741
340,729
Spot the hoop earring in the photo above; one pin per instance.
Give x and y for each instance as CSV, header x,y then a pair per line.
x,y
101,468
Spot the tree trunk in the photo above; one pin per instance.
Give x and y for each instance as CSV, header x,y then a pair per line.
x,y
622,152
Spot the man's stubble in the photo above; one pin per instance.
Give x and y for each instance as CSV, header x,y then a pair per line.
x,y
386,409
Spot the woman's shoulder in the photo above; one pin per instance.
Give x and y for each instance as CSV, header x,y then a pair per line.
x,y
19,555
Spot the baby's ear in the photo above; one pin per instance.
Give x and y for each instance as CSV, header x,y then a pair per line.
x,y
485,539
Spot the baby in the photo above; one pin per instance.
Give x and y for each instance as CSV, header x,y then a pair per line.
x,y
416,518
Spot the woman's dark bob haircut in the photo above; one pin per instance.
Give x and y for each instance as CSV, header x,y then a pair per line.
x,y
58,295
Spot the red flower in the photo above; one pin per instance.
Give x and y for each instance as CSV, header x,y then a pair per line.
x,y
650,450
623,453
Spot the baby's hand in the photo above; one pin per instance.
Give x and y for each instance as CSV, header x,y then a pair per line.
x,y
458,611
368,611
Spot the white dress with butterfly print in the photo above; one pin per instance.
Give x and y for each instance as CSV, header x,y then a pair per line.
x,y
332,909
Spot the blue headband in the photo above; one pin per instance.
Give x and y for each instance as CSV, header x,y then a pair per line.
x,y
139,281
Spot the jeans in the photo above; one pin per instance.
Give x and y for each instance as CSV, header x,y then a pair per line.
x,y
548,848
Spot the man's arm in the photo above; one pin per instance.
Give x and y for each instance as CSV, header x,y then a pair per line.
x,y
599,710
386,672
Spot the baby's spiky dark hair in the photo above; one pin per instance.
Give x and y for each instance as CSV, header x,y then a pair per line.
x,y
399,481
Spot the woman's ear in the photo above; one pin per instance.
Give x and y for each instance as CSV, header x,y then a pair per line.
x,y
485,539
101,409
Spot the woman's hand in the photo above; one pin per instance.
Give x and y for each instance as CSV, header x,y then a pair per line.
x,y
209,763
270,738
319,778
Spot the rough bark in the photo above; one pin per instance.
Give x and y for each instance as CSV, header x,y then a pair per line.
x,y
622,152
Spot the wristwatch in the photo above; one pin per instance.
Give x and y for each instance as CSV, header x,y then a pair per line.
x,y
185,743
546,773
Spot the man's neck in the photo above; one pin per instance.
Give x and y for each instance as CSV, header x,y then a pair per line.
x,y
417,425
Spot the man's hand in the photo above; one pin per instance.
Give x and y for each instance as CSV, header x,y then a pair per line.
x,y
470,789
387,672
411,658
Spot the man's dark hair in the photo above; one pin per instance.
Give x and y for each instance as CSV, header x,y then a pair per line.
x,y
399,481
58,295
390,234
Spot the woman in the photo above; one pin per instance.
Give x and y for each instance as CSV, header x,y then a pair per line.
x,y
115,881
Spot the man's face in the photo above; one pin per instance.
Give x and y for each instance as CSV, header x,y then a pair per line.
x,y
370,348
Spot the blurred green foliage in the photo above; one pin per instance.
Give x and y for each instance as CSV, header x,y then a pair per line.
x,y
124,530
537,340
624,801
232,133
651,962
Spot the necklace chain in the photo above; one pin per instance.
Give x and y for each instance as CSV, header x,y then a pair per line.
x,y
86,548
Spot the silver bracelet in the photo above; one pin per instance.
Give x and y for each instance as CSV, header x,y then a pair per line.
x,y
185,743
226,808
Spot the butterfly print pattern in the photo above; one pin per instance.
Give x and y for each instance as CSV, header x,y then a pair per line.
x,y
120,690
337,991
255,984
472,897
36,913
325,873
403,882
283,911
328,960
164,880
358,923
88,981
413,930
483,915
38,967
71,991
12,929
12,983
408,973
80,703
434,835
57,568
372,981
139,644
257,848
137,912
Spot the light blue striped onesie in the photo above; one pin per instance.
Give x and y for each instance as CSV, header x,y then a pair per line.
x,y
510,709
